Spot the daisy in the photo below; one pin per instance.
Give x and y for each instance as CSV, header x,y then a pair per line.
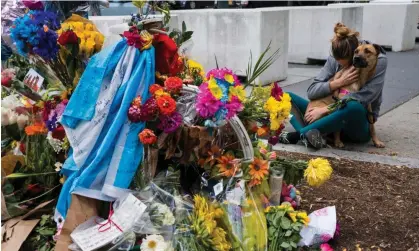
x,y
153,242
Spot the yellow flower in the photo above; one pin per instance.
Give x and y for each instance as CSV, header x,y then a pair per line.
x,y
268,209
303,217
214,88
318,172
160,93
81,35
138,3
90,47
229,78
237,91
99,39
293,215
278,110
77,26
89,27
192,64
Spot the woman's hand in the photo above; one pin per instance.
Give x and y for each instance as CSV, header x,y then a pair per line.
x,y
348,77
315,113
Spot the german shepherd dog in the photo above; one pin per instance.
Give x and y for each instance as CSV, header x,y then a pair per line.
x,y
365,60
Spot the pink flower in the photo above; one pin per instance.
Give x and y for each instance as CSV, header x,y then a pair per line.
x,y
263,151
233,107
325,247
220,73
206,104
272,156
33,5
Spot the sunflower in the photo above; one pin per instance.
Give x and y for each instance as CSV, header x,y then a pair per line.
x,y
213,154
227,165
259,168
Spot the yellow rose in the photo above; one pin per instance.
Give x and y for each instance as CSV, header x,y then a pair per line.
x,y
78,26
89,27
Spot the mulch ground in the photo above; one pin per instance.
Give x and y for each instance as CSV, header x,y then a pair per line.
x,y
377,205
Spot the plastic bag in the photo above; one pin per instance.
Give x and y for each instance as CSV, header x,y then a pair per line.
x,y
321,228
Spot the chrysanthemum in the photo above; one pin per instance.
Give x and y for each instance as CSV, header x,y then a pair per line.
x,y
215,89
227,166
318,172
259,168
154,242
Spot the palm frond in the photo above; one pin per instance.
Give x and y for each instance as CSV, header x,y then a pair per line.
x,y
261,65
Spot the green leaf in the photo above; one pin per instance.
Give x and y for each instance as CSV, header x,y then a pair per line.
x,y
26,175
285,245
293,244
183,26
285,223
288,233
47,231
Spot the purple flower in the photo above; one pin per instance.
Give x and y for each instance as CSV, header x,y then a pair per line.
x,y
33,5
51,123
273,140
47,47
170,124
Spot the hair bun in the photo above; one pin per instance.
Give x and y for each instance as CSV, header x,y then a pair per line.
x,y
341,31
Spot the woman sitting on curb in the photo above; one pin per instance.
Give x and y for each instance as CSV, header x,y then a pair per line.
x,y
351,120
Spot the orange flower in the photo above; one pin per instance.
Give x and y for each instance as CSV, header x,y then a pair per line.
x,y
147,137
262,131
259,168
37,128
254,182
137,102
155,87
173,84
166,104
227,166
214,154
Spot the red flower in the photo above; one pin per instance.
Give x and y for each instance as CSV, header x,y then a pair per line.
x,y
155,87
68,37
22,147
277,92
58,133
6,81
133,37
173,84
166,104
167,58
147,137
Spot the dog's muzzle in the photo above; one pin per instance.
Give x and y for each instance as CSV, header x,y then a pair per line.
x,y
360,62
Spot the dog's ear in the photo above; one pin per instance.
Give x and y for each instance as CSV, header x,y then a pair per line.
x,y
379,49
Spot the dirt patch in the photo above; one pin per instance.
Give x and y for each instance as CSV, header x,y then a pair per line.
x,y
377,205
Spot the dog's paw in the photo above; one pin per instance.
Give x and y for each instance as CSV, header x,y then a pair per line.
x,y
339,144
379,144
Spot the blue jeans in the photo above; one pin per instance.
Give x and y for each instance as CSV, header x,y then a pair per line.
x,y
351,120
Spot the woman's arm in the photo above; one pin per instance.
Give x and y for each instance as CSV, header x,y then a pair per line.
x,y
373,88
320,87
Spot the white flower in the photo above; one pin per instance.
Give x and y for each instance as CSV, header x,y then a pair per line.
x,y
4,116
58,166
10,102
154,242
22,120
161,215
12,117
55,143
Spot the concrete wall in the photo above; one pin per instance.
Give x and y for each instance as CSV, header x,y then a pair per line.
x,y
230,35
311,29
389,24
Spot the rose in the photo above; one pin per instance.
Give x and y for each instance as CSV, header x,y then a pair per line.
x,y
68,37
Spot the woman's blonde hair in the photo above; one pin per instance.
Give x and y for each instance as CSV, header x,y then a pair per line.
x,y
344,42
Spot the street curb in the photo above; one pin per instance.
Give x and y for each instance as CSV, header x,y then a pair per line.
x,y
359,156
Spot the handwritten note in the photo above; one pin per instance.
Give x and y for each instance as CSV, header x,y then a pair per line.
x,y
90,236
